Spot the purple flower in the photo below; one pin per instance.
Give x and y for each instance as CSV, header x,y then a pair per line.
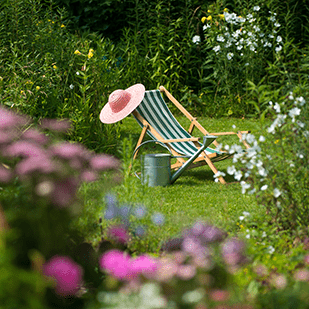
x,y
56,125
117,263
24,149
103,162
140,211
64,191
89,176
233,251
119,234
212,234
10,120
158,219
68,150
191,245
32,165
35,136
67,274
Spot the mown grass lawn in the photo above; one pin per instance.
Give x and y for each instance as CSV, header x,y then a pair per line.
x,y
194,196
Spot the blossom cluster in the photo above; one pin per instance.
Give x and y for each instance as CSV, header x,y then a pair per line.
x,y
241,33
56,168
251,161
185,259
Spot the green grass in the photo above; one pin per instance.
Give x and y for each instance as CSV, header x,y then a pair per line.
x,y
194,196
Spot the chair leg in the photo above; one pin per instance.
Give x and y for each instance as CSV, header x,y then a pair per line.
x,y
213,168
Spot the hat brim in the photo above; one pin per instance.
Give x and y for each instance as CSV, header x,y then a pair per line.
x,y
137,94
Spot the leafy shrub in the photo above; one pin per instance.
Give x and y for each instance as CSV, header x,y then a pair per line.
x,y
274,167
43,77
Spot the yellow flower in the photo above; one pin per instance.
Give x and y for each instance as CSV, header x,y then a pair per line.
x,y
37,87
209,18
55,67
226,10
276,142
90,53
22,92
62,26
221,16
203,19
77,52
209,11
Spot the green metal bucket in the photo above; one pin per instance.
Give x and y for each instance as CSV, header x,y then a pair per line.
x,y
156,169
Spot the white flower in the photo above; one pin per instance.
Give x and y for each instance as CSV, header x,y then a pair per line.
x,y
271,249
277,193
277,108
77,73
217,48
229,56
248,236
246,213
263,188
294,112
262,138
256,8
278,48
300,100
218,175
71,86
220,38
264,234
249,138
277,24
196,39
233,126
231,170
238,175
279,39
206,27
244,186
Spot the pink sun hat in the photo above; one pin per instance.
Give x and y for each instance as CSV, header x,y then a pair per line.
x,y
121,103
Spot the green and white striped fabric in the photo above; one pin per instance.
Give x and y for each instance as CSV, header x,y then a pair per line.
x,y
155,111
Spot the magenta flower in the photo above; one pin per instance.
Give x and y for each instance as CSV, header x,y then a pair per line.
x,y
67,274
122,267
103,162
117,263
119,234
144,265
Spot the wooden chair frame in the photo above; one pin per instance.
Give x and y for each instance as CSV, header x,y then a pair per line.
x,y
199,161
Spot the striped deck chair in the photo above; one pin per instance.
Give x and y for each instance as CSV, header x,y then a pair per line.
x,y
155,118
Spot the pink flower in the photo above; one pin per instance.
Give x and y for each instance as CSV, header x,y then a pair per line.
x,y
10,120
68,150
144,265
219,295
117,263
24,149
35,135
118,233
122,267
67,274
103,162
56,125
64,191
35,164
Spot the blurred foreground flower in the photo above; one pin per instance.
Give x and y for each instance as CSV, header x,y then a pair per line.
x,y
66,273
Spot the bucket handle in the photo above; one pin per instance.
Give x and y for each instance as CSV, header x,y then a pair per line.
x,y
150,141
